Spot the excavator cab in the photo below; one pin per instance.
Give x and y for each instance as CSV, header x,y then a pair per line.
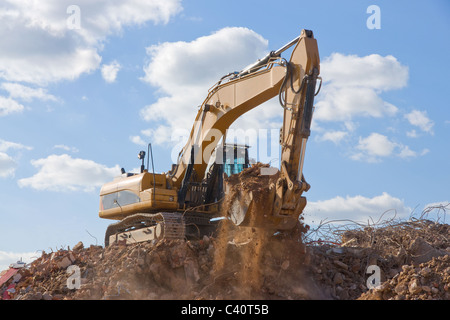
x,y
235,158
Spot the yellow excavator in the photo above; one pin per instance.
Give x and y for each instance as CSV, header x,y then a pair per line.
x,y
183,202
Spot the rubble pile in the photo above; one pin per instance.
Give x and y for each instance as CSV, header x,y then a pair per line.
x,y
244,267
340,271
428,281
245,263
415,258
412,259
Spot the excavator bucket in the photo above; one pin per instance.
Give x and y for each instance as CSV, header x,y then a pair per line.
x,y
246,210
251,200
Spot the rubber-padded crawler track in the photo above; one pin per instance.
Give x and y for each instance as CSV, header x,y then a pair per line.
x,y
172,224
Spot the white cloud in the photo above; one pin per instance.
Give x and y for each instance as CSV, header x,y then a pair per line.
x,y
184,71
19,91
165,134
334,136
109,71
7,165
66,148
138,140
39,44
345,103
420,119
203,60
412,133
6,145
352,89
377,146
372,71
64,173
8,106
406,152
357,208
352,86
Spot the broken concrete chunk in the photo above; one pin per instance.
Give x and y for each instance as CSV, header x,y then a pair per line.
x,y
422,251
78,246
64,263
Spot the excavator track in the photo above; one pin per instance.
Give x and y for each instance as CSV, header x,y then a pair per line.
x,y
142,227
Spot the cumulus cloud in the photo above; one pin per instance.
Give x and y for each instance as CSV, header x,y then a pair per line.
x,y
64,173
65,148
137,140
16,91
40,44
419,119
346,103
7,145
181,71
203,60
184,71
375,147
357,208
334,136
25,93
109,71
352,89
372,71
8,163
352,86
8,106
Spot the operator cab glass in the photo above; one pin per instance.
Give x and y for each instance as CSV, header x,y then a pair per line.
x,y
235,158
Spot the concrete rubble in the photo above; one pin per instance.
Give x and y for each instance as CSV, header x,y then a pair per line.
x,y
390,260
245,263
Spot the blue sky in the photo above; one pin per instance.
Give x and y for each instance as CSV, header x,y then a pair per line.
x,y
79,100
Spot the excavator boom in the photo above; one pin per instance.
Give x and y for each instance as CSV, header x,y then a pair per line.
x,y
229,100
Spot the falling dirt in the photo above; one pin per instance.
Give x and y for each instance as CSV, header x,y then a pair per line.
x,y
251,194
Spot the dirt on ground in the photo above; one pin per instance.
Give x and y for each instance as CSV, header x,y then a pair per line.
x,y
399,260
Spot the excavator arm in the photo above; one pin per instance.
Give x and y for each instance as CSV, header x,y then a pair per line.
x,y
294,81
